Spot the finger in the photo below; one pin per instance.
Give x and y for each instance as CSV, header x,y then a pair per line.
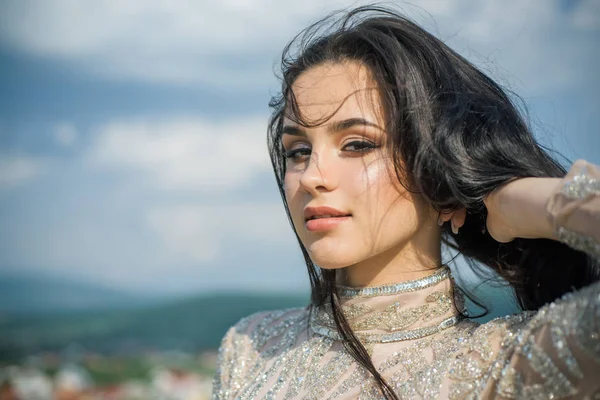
x,y
444,216
459,216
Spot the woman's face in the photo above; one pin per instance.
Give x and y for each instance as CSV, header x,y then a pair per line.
x,y
345,203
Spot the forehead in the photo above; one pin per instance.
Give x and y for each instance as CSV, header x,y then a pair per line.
x,y
337,91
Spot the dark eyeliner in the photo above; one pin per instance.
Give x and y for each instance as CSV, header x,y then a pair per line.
x,y
362,146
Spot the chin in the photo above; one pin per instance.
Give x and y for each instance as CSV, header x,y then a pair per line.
x,y
329,265
331,257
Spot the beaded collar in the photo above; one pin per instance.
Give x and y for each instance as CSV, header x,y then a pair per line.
x,y
391,313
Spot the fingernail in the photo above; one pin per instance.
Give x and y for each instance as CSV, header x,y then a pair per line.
x,y
454,228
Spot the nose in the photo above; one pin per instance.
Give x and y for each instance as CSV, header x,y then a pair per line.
x,y
319,174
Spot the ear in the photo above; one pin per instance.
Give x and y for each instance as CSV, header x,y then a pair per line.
x,y
456,218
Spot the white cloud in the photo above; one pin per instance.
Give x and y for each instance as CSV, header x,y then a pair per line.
x,y
167,245
120,228
234,43
527,46
196,233
17,169
185,152
185,41
100,219
65,134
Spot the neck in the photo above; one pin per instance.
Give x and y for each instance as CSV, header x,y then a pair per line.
x,y
397,312
412,260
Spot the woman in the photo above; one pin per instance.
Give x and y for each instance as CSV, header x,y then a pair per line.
x,y
386,144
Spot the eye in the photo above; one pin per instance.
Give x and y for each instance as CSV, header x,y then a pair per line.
x,y
359,146
297,154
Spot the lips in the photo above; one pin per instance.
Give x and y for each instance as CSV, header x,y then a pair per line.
x,y
311,213
323,219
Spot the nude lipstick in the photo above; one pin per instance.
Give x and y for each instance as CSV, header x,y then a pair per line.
x,y
321,219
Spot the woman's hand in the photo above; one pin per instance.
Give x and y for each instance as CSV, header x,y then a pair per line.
x,y
502,223
518,209
515,209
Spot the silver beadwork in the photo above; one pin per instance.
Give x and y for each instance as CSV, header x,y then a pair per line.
x,y
402,287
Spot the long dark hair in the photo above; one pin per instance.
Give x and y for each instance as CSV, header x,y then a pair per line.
x,y
455,136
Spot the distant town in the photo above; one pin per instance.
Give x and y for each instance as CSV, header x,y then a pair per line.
x,y
68,341
77,374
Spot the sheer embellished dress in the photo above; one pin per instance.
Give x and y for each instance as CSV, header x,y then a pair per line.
x,y
419,341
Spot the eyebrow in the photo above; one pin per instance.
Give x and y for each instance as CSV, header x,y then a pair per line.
x,y
333,127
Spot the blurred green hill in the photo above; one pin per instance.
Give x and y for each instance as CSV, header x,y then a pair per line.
x,y
53,316
194,324
35,293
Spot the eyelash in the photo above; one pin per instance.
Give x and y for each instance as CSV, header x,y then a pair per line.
x,y
362,146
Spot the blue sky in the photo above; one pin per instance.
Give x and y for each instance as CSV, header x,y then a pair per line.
x,y
132,134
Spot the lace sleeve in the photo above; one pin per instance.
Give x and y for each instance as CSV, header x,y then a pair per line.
x,y
574,208
555,354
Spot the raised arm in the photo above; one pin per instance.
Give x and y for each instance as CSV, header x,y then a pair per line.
x,y
565,209
574,208
555,353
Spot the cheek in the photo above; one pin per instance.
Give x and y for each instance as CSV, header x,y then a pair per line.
x,y
290,187
376,177
390,213
371,185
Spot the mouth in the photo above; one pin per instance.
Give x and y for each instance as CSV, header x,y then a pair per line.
x,y
323,212
321,219
327,216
